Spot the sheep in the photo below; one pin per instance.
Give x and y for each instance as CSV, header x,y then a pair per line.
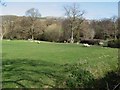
x,y
35,41
8,40
38,42
86,45
77,43
29,39
101,43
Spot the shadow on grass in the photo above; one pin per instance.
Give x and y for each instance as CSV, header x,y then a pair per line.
x,y
30,73
111,81
42,74
81,78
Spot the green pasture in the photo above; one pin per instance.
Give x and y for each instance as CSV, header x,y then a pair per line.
x,y
29,64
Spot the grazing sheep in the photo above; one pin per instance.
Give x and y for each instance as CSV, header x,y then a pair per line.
x,y
35,41
38,42
101,43
64,41
86,45
77,42
29,39
8,40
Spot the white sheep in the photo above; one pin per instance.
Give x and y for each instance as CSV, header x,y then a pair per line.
x,y
29,39
35,41
38,42
86,45
101,43
77,42
8,40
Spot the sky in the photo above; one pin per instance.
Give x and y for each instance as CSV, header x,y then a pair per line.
x,y
61,0
93,10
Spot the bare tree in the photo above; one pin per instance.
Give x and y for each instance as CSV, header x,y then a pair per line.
x,y
3,30
86,30
33,15
74,15
3,3
1,24
114,20
5,25
53,32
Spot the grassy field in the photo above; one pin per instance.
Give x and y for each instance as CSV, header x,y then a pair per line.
x,y
28,64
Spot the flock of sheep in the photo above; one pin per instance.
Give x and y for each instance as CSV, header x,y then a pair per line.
x,y
34,41
38,42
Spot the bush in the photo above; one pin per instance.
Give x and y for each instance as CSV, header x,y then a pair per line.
x,y
90,41
110,81
79,78
105,43
53,33
76,77
114,43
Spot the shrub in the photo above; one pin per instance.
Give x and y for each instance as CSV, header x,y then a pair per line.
x,y
76,77
79,78
114,43
111,81
53,33
90,41
105,43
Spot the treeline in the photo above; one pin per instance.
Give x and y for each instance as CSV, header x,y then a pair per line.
x,y
57,29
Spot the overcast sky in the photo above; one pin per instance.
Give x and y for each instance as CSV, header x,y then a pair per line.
x,y
93,10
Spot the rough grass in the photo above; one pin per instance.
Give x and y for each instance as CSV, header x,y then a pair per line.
x,y
28,64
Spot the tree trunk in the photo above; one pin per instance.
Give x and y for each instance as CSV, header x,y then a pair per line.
x,y
72,40
32,37
115,37
32,31
78,37
1,37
